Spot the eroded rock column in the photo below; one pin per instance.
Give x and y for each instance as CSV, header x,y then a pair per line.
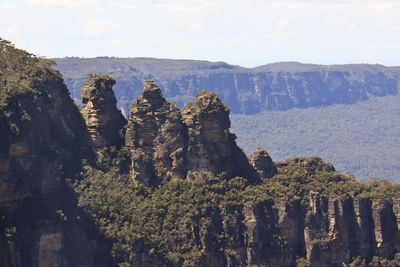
x,y
104,121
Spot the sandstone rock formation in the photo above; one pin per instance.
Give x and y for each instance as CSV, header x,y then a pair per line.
x,y
338,230
273,235
195,143
262,163
104,121
155,136
211,147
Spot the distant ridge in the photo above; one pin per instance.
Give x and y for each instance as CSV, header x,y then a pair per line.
x,y
275,86
286,66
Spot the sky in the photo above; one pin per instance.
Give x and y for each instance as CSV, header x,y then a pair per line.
x,y
241,32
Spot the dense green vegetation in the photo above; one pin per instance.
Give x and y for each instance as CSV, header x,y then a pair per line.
x,y
21,75
21,71
376,262
160,218
361,138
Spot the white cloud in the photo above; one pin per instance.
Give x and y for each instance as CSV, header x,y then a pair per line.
x,y
210,29
96,27
385,47
58,3
339,23
119,5
9,7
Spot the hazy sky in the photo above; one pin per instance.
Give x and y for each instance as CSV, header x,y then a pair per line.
x,y
247,33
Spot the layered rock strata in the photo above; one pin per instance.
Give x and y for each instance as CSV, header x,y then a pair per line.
x,y
44,141
104,121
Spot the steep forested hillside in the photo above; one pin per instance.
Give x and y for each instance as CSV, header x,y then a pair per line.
x,y
361,138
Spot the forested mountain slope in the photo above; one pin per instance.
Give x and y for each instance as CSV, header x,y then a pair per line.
x,y
360,138
277,86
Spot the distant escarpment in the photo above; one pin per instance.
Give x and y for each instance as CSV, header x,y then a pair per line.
x,y
278,86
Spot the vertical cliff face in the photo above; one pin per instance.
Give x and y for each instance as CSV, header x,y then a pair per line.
x,y
272,233
278,86
43,140
326,232
104,121
338,230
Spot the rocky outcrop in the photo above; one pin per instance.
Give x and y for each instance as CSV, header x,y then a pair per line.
x,y
326,232
310,164
211,147
262,163
279,86
273,235
338,230
43,142
155,137
194,144
104,121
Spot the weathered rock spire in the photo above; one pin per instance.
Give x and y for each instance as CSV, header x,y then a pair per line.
x,y
104,121
211,147
194,144
155,137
